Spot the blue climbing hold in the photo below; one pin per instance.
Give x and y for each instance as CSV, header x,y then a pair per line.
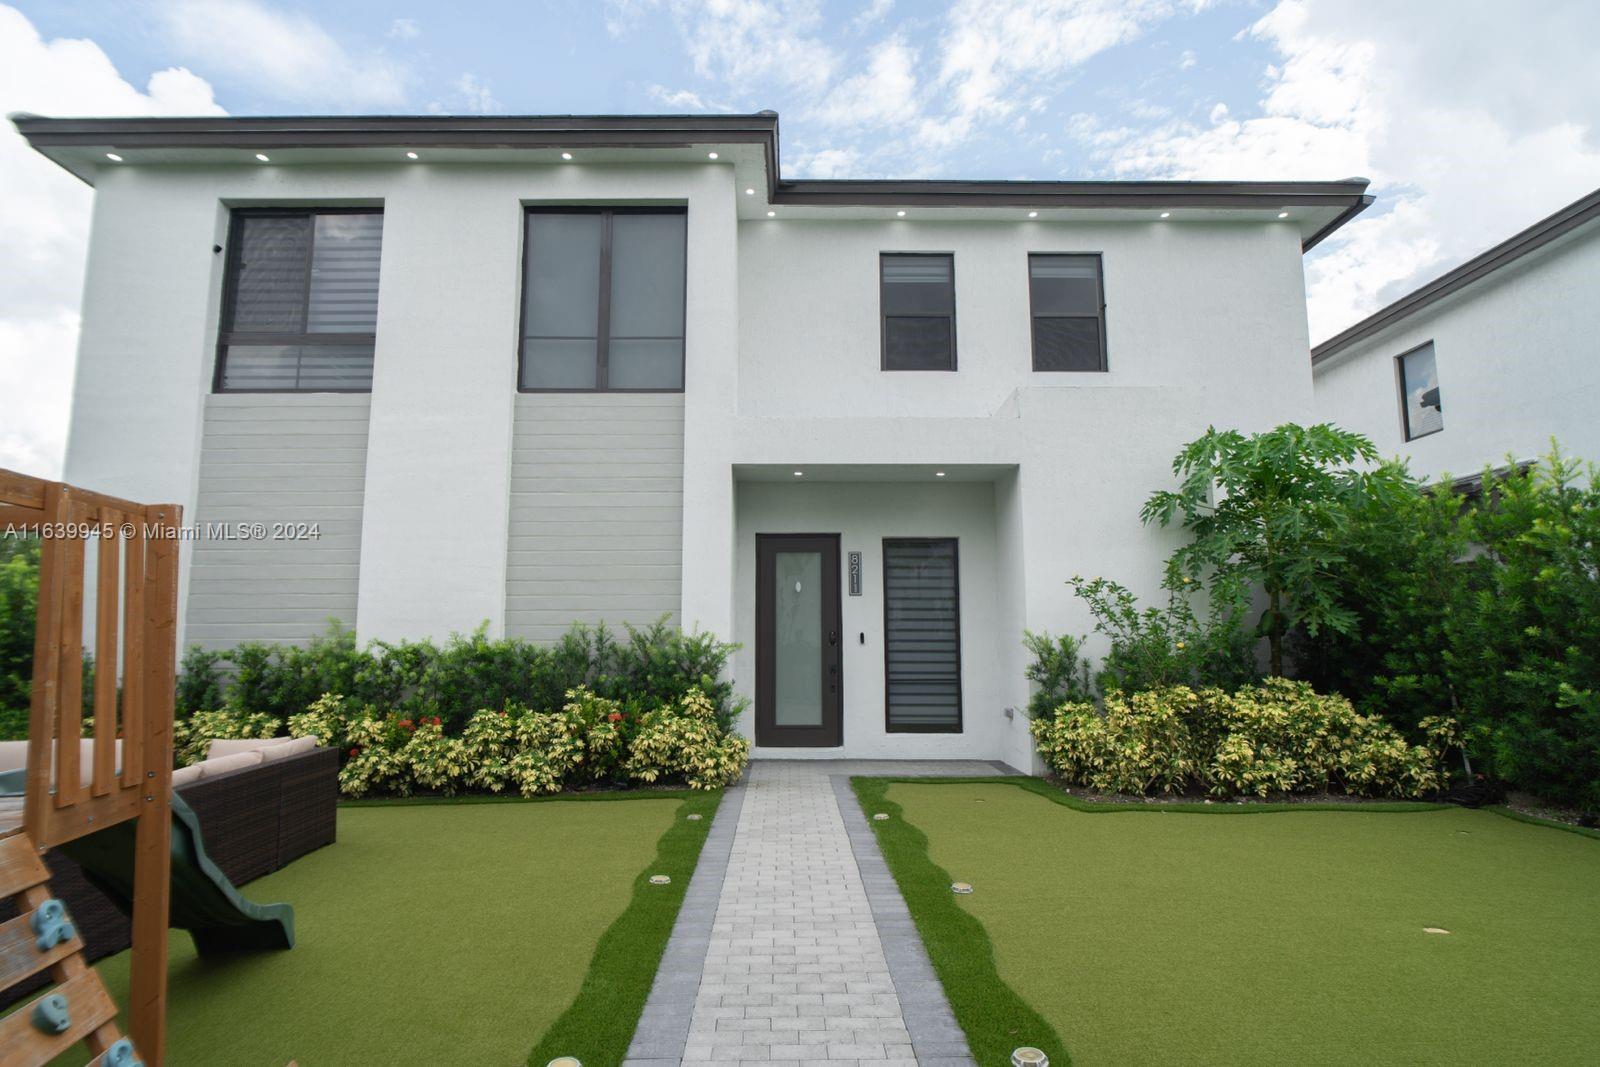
x,y
50,1014
121,1055
50,924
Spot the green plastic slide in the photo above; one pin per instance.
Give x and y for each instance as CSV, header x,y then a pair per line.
x,y
204,901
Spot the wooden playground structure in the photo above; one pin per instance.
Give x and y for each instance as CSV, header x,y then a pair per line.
x,y
128,774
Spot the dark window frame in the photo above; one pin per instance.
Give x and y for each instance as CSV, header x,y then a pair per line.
x,y
955,557
1400,388
883,317
230,283
603,314
1034,317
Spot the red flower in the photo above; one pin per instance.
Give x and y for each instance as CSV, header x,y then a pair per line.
x,y
615,716
355,752
405,724
436,721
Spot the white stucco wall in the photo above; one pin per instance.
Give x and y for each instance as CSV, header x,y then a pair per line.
x,y
1518,358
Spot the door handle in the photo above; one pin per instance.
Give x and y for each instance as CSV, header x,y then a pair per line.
x,y
833,638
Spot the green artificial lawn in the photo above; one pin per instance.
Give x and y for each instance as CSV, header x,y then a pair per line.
x,y
449,932
1240,936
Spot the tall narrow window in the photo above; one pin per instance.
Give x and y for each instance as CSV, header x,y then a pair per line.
x,y
921,635
1419,393
300,304
917,295
1068,300
602,305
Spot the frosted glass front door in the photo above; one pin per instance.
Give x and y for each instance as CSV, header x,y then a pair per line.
x,y
797,644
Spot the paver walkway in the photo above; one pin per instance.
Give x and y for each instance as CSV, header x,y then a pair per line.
x,y
795,968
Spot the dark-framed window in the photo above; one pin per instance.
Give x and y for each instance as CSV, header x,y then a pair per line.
x,y
921,635
917,300
602,300
300,300
1421,411
1067,297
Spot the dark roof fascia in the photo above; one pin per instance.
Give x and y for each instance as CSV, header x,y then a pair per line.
x,y
1501,255
667,131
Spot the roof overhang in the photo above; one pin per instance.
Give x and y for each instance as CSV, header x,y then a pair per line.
x,y
1547,230
747,142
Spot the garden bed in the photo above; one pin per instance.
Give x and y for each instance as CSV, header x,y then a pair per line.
x,y
1136,933
474,930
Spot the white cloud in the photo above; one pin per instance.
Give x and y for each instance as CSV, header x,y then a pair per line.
x,y
1187,59
405,29
828,163
994,49
476,95
686,100
883,94
745,44
285,55
44,231
1471,125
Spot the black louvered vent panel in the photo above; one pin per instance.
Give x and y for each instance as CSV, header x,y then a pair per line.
x,y
922,634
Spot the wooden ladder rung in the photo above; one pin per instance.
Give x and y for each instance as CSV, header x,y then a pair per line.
x,y
90,1007
20,867
19,950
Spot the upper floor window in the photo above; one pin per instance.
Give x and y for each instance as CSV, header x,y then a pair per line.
x,y
1068,300
602,300
300,301
917,296
1419,393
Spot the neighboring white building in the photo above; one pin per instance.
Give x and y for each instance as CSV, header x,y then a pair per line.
x,y
1486,363
533,371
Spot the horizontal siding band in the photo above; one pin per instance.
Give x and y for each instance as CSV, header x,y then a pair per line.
x,y
278,459
596,512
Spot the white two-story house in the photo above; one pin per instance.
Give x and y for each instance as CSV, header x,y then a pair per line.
x,y
1482,366
533,371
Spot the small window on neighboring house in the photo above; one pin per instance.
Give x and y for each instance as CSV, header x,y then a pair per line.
x,y
917,296
921,635
300,302
1068,301
602,300
1419,393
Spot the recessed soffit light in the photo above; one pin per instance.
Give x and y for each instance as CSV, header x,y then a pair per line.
x,y
262,157
113,157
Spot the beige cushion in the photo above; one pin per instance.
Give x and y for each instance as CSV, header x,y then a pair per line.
x,y
211,768
185,775
295,746
13,755
229,747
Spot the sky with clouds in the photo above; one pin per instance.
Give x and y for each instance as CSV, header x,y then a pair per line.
x,y
1472,118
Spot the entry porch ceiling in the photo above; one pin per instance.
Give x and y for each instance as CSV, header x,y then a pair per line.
x,y
898,473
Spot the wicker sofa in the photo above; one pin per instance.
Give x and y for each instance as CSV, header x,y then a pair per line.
x,y
255,819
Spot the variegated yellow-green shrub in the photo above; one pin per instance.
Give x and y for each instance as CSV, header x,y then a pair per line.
x,y
192,736
325,719
1277,737
684,739
1138,744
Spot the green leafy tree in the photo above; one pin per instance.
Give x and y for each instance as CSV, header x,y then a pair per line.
x,y
19,599
1270,510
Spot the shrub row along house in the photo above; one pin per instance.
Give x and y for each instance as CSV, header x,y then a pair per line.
x,y
440,371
